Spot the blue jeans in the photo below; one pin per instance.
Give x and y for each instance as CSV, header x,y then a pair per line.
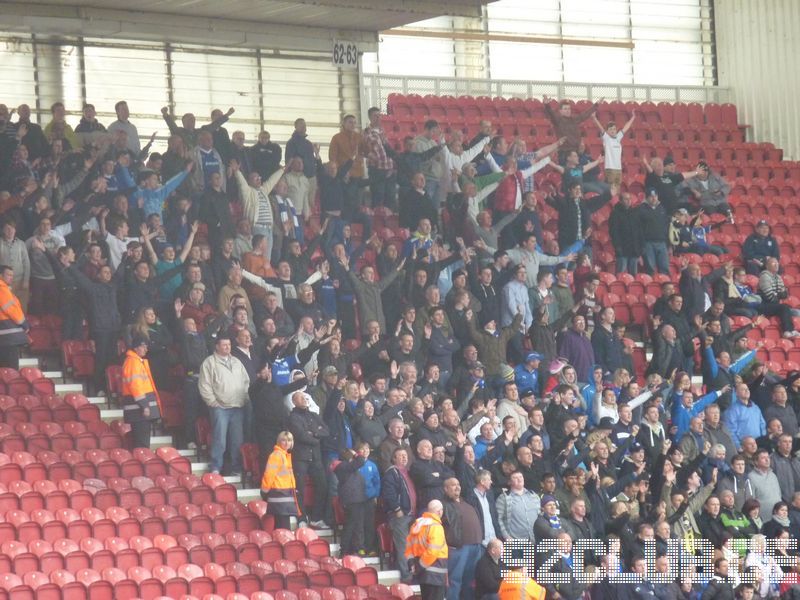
x,y
656,258
227,431
461,564
628,264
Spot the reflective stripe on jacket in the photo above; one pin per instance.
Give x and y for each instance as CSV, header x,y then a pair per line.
x,y
138,389
12,319
427,544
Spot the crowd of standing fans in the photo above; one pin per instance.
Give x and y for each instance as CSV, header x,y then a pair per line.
x,y
463,381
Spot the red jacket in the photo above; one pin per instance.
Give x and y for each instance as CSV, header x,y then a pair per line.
x,y
505,196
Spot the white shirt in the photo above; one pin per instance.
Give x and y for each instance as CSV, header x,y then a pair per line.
x,y
612,147
117,248
488,526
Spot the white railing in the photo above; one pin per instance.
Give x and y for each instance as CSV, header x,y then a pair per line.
x,y
375,90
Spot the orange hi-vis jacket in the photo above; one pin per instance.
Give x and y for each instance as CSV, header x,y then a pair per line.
x,y
12,319
278,486
427,545
138,390
518,586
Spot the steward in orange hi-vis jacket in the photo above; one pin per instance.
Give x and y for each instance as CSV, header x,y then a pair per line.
x,y
426,551
139,396
13,325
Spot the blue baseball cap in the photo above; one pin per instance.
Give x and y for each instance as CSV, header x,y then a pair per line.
x,y
534,356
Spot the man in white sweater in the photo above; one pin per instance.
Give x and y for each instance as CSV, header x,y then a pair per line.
x,y
223,385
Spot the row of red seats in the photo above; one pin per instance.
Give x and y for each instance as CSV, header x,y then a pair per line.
x,y
96,463
679,113
28,380
35,437
31,408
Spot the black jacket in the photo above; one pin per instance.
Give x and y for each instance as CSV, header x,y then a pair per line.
x,y
101,298
607,348
653,223
307,429
352,488
625,232
428,477
568,216
718,589
269,412
487,576
265,158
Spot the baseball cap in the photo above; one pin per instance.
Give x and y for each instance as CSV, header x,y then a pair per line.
x,y
669,161
547,499
533,356
330,370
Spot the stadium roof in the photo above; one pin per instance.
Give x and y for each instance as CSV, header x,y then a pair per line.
x,y
242,23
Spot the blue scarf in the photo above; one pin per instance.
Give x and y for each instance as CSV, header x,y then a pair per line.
x,y
288,213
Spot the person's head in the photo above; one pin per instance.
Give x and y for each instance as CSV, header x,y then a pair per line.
x,y
516,481
762,459
425,449
579,323
785,445
223,346
432,129
549,506
374,116
285,440
400,457
452,488
712,506
762,228
772,265
300,126
435,507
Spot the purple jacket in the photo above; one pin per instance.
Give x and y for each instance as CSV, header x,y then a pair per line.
x,y
577,349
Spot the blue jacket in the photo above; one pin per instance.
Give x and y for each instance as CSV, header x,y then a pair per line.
x,y
735,368
759,247
744,420
153,200
526,380
372,480
681,416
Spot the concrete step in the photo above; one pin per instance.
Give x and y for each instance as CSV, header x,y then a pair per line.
x,y
248,494
30,361
53,374
111,414
64,388
98,400
157,441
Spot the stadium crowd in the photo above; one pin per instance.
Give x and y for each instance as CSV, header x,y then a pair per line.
x,y
467,373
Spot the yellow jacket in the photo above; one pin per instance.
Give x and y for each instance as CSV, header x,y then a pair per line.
x,y
518,586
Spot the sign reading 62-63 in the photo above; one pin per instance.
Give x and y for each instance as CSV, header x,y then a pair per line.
x,y
345,54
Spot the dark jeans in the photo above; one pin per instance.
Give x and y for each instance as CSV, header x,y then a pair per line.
x,y
105,344
44,297
399,527
782,311
72,320
432,592
353,530
140,434
9,357
382,186
193,409
319,480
